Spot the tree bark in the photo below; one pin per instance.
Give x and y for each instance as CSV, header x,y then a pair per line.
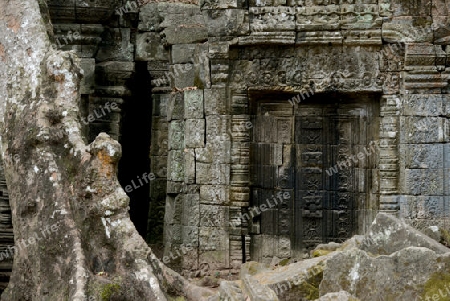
x,y
73,236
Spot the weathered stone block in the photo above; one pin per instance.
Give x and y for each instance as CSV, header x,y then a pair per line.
x,y
88,80
215,101
193,104
446,104
189,254
215,260
221,150
230,290
217,128
214,216
184,76
204,154
206,4
220,173
368,278
191,66
113,73
119,46
227,22
213,239
182,24
173,232
173,255
159,166
191,210
184,53
190,235
288,282
258,292
195,133
283,19
422,129
408,29
388,234
218,49
176,135
420,56
214,194
175,166
175,106
203,173
422,207
149,17
159,143
160,102
217,151
406,8
427,156
174,207
284,247
424,181
174,187
189,166
423,105
149,47
160,123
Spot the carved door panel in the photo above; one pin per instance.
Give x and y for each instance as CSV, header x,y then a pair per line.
x,y
315,144
324,203
272,173
291,151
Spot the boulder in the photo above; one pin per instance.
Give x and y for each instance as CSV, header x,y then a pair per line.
x,y
229,291
256,291
403,275
252,268
324,249
433,232
354,242
297,281
388,234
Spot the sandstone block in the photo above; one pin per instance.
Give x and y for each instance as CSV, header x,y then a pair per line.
x,y
388,234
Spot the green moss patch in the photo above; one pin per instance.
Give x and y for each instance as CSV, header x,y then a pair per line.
x,y
108,290
437,288
318,253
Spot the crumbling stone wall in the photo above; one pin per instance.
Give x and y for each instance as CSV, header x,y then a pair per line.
x,y
393,49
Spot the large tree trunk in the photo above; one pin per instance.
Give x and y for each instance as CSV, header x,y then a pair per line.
x,y
73,235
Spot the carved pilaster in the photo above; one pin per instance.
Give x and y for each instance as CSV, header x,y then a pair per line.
x,y
240,172
389,154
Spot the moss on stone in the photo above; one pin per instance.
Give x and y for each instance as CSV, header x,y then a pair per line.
x,y
318,253
284,262
436,287
177,298
445,237
108,290
309,288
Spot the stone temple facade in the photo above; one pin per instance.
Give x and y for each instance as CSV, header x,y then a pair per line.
x,y
267,126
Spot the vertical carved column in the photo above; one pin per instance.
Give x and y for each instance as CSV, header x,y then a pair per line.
x,y
240,171
388,160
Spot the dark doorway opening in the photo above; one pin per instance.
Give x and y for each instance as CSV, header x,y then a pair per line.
x,y
134,167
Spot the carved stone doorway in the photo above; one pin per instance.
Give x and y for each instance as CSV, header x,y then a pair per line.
x,y
322,153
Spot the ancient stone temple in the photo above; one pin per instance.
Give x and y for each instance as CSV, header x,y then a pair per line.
x,y
261,128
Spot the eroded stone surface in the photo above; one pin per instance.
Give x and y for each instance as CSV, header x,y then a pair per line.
x,y
388,235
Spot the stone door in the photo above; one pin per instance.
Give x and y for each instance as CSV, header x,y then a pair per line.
x,y
305,152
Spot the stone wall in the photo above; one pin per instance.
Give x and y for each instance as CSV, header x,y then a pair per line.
x,y
213,64
236,52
